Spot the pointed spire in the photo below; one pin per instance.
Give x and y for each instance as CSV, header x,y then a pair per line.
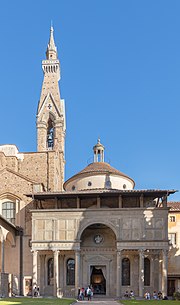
x,y
51,52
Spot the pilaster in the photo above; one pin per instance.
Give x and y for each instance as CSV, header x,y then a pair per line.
x,y
119,271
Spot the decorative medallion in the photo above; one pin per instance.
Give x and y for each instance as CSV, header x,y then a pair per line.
x,y
98,238
49,106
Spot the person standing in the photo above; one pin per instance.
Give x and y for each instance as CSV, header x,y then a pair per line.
x,y
89,293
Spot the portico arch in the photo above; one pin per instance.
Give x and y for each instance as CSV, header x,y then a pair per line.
x,y
85,224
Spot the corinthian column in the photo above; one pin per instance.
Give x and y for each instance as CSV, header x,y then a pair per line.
x,y
141,273
56,273
34,275
118,277
164,271
77,270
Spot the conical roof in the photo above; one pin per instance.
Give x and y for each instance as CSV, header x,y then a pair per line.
x,y
101,167
97,168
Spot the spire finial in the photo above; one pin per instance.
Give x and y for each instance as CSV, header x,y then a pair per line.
x,y
99,141
51,52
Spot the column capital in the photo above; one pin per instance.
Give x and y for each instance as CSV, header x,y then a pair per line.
x,y
165,252
77,251
141,252
56,251
34,252
119,251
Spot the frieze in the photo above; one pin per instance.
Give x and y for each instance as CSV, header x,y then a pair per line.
x,y
143,245
98,258
55,246
98,250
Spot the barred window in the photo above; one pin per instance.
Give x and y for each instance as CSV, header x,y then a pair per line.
x,y
70,272
8,211
172,218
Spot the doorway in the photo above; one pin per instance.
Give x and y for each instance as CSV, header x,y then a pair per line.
x,y
98,280
171,287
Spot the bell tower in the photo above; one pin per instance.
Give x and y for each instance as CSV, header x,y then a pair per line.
x,y
50,122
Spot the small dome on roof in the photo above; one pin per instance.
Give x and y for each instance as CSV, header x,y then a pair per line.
x,y
99,175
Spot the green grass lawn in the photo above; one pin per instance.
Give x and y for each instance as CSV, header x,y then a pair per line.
x,y
150,302
34,301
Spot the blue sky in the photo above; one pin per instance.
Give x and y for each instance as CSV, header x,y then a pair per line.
x,y
120,78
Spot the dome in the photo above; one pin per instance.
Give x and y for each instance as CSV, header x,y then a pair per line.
x,y
99,175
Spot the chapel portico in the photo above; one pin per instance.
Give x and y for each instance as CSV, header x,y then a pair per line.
x,y
127,244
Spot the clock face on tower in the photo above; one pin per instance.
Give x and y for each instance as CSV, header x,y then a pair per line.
x,y
98,238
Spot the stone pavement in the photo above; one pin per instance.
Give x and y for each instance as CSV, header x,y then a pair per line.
x,y
103,301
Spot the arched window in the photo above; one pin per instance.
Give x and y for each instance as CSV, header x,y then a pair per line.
x,y
8,211
146,272
125,272
50,270
50,134
70,272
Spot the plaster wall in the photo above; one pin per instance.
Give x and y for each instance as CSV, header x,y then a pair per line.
x,y
100,182
63,229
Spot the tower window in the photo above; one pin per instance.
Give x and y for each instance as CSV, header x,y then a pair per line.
x,y
50,134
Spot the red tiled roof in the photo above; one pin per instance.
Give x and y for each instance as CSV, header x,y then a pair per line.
x,y
174,205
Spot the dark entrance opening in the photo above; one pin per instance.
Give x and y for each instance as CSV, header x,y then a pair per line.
x,y
171,287
98,280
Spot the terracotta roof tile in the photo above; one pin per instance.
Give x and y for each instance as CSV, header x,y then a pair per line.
x,y
174,205
101,167
98,168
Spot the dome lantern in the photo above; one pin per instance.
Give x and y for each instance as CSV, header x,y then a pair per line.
x,y
98,152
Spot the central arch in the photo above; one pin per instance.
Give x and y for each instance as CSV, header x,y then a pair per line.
x,y
98,248
85,224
